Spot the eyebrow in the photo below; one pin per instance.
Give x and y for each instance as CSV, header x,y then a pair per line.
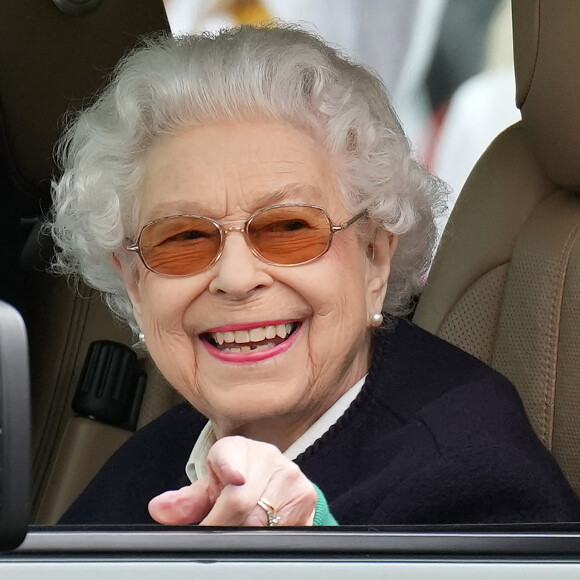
x,y
297,192
292,192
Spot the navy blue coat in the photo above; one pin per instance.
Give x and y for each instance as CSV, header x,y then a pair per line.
x,y
434,437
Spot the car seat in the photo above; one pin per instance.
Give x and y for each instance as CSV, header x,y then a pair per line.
x,y
53,61
505,284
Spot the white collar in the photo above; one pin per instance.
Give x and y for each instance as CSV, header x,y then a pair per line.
x,y
196,467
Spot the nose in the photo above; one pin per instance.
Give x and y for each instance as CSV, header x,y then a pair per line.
x,y
238,273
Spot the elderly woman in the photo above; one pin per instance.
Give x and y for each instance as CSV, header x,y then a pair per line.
x,y
248,203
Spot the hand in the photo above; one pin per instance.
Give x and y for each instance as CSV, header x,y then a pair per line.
x,y
241,471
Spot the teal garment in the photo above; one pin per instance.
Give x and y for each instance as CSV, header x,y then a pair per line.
x,y
322,515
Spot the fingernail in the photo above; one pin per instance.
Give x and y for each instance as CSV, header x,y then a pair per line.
x,y
238,478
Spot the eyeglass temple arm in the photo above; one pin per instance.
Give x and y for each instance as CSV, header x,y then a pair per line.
x,y
131,246
351,221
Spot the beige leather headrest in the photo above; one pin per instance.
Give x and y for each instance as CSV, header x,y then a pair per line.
x,y
49,62
547,64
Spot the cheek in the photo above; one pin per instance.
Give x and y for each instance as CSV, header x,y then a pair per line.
x,y
341,286
164,306
338,301
166,300
169,345
160,310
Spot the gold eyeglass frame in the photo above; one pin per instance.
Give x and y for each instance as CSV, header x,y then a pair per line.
x,y
224,231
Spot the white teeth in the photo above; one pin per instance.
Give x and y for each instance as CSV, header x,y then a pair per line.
x,y
257,334
246,348
241,336
253,335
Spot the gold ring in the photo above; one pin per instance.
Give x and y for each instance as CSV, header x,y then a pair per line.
x,y
273,517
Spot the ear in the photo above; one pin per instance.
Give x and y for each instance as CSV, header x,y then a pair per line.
x,y
380,253
130,276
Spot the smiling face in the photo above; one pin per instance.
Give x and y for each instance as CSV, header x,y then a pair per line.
x,y
262,350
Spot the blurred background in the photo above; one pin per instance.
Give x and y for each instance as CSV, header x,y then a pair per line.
x,y
447,64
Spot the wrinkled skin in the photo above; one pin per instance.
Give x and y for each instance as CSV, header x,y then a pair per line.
x,y
228,171
241,471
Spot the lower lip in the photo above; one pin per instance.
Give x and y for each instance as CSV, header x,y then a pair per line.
x,y
252,356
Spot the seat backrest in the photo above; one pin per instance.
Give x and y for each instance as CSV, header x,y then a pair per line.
x,y
505,284
52,62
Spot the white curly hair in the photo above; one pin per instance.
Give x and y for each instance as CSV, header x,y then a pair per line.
x,y
169,85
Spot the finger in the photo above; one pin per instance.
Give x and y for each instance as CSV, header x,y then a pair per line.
x,y
232,507
226,473
300,508
249,470
294,501
231,458
183,506
285,487
228,460
293,497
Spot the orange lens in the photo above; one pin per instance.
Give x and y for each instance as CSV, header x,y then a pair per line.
x,y
181,245
290,235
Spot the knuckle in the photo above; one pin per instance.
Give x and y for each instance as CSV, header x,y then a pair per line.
x,y
311,495
239,504
266,449
294,470
290,471
226,443
306,493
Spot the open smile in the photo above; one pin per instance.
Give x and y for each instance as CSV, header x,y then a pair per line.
x,y
250,343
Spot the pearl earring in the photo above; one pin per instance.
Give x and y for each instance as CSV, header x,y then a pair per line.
x,y
142,337
376,319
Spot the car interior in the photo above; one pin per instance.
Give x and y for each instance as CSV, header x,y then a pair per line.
x,y
505,282
504,285
63,59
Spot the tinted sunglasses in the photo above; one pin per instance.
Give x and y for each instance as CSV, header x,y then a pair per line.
x,y
283,235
